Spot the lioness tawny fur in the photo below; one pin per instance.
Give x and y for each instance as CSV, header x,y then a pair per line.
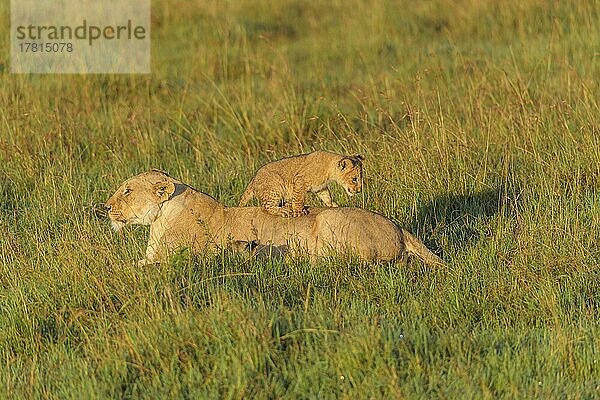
x,y
180,216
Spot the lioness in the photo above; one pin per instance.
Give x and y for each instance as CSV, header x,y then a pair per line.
x,y
180,216
281,185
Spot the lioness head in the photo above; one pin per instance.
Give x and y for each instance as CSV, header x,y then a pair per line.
x,y
350,174
138,200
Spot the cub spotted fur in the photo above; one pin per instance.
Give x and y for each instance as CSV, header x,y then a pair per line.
x,y
281,186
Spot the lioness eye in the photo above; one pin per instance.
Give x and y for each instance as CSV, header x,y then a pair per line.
x,y
126,192
354,180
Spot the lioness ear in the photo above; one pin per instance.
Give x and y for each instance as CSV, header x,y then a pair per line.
x,y
159,171
163,189
360,157
344,163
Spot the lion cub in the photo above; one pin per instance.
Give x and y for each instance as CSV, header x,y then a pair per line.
x,y
281,186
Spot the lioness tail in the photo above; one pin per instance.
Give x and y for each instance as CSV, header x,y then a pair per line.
x,y
417,248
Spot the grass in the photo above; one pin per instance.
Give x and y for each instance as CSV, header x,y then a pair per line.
x,y
479,123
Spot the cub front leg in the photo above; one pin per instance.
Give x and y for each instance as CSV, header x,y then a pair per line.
x,y
325,196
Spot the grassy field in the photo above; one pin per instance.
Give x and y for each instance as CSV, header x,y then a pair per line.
x,y
480,125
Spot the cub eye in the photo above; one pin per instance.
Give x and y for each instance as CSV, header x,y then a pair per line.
x,y
126,192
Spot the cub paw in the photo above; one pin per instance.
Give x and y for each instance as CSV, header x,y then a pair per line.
x,y
300,213
286,213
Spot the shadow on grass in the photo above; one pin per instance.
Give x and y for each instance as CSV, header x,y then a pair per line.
x,y
461,220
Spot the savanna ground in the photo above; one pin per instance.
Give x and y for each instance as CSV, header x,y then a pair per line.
x,y
479,123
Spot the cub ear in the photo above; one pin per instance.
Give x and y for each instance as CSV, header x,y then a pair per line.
x,y
344,163
359,157
163,190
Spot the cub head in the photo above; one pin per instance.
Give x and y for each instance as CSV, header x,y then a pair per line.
x,y
349,173
138,200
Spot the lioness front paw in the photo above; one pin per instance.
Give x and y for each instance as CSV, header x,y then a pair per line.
x,y
145,262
